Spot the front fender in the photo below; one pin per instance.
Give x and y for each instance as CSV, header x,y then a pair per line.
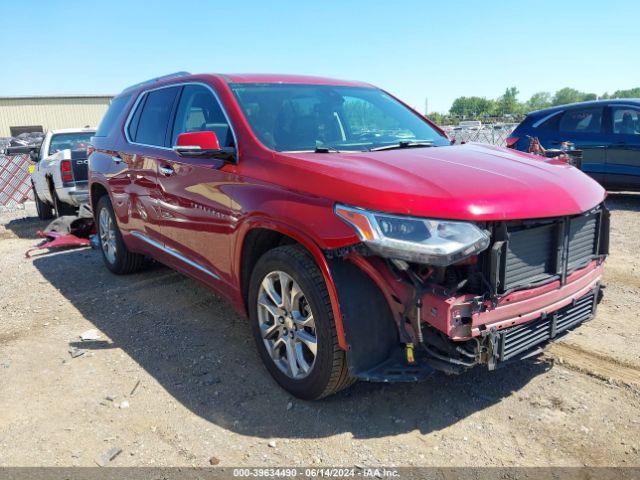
x,y
307,241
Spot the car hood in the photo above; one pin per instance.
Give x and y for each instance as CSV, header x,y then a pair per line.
x,y
469,182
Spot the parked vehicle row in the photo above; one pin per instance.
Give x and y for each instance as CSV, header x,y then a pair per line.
x,y
357,240
607,131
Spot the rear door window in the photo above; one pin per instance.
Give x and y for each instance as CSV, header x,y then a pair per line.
x,y
582,120
626,121
199,111
154,117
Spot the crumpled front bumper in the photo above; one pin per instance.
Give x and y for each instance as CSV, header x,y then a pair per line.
x,y
461,318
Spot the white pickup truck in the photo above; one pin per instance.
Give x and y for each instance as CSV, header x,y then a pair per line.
x,y
59,176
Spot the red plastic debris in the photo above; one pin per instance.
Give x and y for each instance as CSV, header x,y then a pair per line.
x,y
58,240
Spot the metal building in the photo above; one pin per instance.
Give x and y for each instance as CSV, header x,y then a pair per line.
x,y
42,113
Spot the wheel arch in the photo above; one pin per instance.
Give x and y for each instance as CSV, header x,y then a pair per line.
x,y
97,191
257,237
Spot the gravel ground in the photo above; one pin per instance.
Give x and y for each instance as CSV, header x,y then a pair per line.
x,y
174,379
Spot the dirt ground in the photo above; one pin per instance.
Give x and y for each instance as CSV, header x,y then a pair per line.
x,y
174,379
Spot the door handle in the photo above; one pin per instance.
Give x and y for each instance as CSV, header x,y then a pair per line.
x,y
166,171
116,159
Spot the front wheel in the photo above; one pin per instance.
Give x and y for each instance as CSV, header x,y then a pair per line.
x,y
115,254
293,325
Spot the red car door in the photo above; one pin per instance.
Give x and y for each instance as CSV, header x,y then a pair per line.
x,y
196,212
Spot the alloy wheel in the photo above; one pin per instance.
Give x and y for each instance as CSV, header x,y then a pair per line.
x,y
287,325
107,236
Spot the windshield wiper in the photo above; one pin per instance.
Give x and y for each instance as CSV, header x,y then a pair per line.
x,y
325,149
403,144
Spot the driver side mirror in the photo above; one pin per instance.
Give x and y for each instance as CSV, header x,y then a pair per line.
x,y
203,145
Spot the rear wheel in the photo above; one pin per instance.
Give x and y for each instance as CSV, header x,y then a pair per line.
x,y
115,254
293,325
44,210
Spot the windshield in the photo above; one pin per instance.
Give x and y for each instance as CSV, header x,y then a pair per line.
x,y
289,117
71,141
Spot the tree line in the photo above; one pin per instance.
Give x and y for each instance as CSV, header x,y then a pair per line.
x,y
507,106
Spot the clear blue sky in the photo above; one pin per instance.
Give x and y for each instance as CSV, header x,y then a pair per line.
x,y
415,49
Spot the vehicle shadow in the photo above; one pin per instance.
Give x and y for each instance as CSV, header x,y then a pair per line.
x,y
202,353
623,201
26,227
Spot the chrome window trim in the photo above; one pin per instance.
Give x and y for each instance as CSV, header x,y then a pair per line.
x,y
181,84
173,253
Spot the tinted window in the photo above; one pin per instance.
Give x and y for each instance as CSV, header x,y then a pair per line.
x,y
132,129
289,117
547,122
626,121
112,115
155,115
582,120
199,111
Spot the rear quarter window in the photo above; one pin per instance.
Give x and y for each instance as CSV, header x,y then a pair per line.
x,y
110,118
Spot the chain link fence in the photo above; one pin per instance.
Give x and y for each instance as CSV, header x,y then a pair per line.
x,y
496,134
15,184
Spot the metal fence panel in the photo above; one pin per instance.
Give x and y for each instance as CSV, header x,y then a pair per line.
x,y
15,184
493,134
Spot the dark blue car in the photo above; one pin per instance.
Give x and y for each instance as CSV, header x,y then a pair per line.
x,y
608,132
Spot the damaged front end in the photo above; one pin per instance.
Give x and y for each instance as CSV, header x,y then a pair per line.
x,y
423,295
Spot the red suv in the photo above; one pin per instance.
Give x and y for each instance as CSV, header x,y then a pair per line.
x,y
358,241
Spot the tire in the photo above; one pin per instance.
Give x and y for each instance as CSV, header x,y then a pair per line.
x,y
306,378
115,254
44,210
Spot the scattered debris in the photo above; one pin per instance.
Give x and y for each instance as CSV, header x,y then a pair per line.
x,y
272,444
135,387
108,456
111,398
76,352
124,404
289,405
90,335
214,460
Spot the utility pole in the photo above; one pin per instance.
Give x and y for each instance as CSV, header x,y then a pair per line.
x,y
426,105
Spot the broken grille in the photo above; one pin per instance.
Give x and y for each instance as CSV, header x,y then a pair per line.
x,y
518,340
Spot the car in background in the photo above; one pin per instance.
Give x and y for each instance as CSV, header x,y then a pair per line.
x,y
470,125
60,174
357,240
607,131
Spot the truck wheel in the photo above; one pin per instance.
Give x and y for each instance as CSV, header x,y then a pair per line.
x,y
115,254
44,210
293,326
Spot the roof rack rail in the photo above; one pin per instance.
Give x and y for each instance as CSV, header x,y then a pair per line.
x,y
157,79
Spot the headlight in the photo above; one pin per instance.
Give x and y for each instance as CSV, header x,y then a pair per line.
x,y
420,240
